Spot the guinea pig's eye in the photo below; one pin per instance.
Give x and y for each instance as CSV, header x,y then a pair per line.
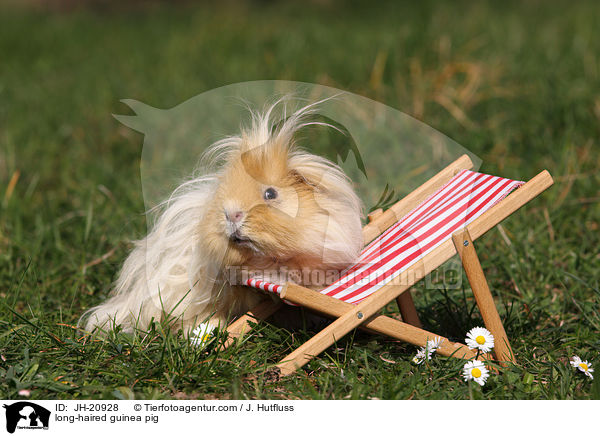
x,y
270,194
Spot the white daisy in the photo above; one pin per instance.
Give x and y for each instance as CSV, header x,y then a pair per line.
x,y
202,334
420,356
434,344
427,351
476,370
481,339
583,366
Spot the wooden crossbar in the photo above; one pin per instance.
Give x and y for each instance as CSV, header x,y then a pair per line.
x,y
377,324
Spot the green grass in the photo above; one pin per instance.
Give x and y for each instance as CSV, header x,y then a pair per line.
x,y
517,84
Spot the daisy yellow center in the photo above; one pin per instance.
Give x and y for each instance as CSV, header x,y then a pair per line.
x,y
584,366
480,340
476,372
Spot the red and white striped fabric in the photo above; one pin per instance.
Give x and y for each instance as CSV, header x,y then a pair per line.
x,y
265,286
460,201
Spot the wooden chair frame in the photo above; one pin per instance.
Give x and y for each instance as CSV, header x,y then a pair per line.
x,y
365,315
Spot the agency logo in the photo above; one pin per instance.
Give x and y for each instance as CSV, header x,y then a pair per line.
x,y
26,415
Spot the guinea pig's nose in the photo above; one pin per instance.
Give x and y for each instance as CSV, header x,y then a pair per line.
x,y
234,216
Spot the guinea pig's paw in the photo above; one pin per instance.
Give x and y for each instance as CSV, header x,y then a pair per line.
x,y
202,335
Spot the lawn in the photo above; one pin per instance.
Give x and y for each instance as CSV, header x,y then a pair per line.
x,y
516,83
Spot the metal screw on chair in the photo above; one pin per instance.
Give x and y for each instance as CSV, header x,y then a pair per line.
x,y
466,243
359,315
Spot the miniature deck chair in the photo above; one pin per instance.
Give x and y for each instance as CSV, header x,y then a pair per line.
x,y
405,243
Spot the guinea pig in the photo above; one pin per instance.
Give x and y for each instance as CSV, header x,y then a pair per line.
x,y
266,205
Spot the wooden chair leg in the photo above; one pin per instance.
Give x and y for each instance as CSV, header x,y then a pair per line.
x,y
408,310
239,327
483,296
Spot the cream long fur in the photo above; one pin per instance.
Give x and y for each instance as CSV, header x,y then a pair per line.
x,y
178,269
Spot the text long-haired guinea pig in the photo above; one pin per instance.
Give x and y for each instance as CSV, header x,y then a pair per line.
x,y
266,205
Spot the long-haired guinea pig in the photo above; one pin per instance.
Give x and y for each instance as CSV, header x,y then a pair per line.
x,y
268,205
